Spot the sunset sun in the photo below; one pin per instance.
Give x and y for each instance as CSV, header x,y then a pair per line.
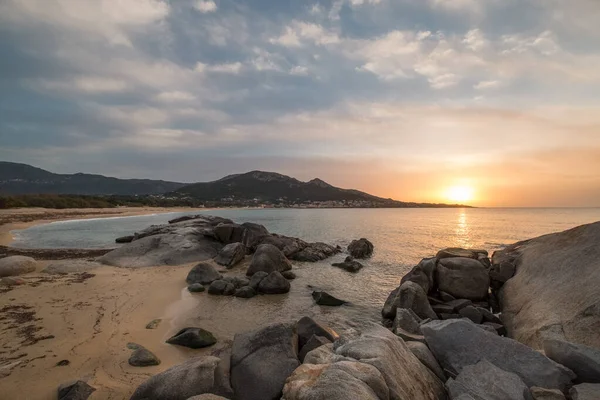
x,y
460,193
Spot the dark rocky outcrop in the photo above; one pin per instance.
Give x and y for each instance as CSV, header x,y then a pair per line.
x,y
268,258
583,360
77,390
361,248
196,376
460,343
325,299
195,338
274,283
349,264
231,254
463,278
262,360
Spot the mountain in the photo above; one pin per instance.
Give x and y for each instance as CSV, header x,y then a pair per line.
x,y
271,187
24,179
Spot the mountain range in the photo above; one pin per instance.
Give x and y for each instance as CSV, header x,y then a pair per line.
x,y
255,187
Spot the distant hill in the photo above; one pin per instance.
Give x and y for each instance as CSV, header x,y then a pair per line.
x,y
24,179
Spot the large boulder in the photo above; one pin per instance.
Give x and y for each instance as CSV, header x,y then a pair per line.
x,y
231,254
229,232
314,342
583,360
262,360
459,343
408,295
407,320
274,283
423,274
16,265
361,248
585,391
463,278
485,381
422,352
194,377
554,293
268,258
203,273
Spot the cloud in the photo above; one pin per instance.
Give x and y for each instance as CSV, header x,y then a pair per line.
x,y
205,6
487,85
299,32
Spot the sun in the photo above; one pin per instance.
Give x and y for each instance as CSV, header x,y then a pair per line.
x,y
460,193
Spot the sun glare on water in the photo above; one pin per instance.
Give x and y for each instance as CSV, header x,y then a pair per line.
x,y
460,194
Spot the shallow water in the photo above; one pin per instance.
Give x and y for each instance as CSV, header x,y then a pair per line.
x,y
401,238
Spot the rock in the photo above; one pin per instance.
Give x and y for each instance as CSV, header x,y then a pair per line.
x,y
262,360
500,329
289,275
350,265
231,254
404,375
488,316
245,292
338,381
196,288
239,282
133,346
585,391
314,252
69,267
308,327
583,360
412,296
207,396
153,324
555,287
78,390
268,258
257,278
274,283
442,309
143,357
361,248
12,281
501,273
485,381
471,313
16,265
488,328
194,338
422,352
409,337
539,393
218,287
313,343
458,252
124,239
422,274
323,355
199,375
446,296
459,304
407,320
63,363
460,343
463,278
203,273
325,299
391,304
450,316
229,289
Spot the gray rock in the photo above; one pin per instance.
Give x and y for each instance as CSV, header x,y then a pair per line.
x,y
77,390
308,327
314,252
583,360
325,299
361,248
501,273
194,338
231,254
409,337
422,274
539,393
196,288
338,381
460,343
585,391
442,309
349,264
450,316
412,296
422,352
488,316
274,283
239,282
446,296
124,239
485,381
463,278
324,355
12,281
459,304
218,287
199,375
229,232
262,360
257,278
142,357
289,275
313,343
229,289
488,328
407,320
203,273
70,267
245,292
16,265
268,258
391,304
207,396
458,252
500,329
471,313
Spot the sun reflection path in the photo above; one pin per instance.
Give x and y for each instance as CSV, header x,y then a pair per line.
x,y
463,232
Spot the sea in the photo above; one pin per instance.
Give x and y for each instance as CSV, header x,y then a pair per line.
x,y
401,238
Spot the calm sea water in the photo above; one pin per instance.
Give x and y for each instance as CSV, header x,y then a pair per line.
x,y
401,238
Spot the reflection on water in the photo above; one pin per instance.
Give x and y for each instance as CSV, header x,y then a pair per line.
x,y
462,230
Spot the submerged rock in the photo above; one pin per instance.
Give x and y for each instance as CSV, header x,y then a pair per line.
x,y
124,239
325,299
268,258
314,252
142,357
16,265
361,248
231,255
463,278
349,264
194,338
203,273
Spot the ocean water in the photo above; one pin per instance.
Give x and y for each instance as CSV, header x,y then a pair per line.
x,y
401,238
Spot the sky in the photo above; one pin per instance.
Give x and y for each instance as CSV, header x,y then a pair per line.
x,y
408,99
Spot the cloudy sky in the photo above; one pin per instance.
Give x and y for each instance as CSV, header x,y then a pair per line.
x,y
400,98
